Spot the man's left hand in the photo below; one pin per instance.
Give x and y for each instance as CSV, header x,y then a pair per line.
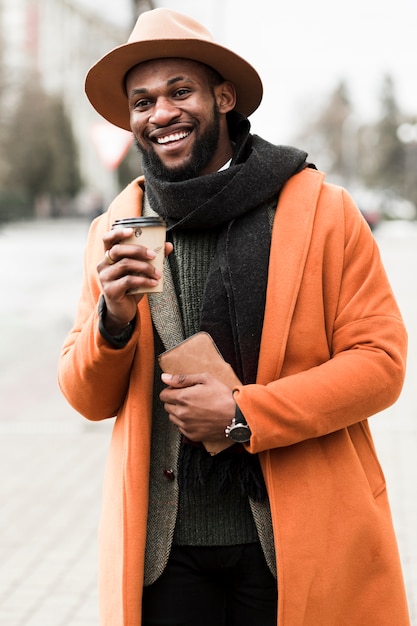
x,y
199,404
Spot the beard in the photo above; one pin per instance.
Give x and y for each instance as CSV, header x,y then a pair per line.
x,y
203,151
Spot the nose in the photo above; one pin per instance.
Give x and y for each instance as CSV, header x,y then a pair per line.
x,y
163,112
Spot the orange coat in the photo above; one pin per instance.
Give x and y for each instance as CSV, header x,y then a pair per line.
x,y
332,354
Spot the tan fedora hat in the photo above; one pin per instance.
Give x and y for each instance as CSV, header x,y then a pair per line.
x,y
162,33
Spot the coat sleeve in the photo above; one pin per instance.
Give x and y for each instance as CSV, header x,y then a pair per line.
x,y
345,349
92,375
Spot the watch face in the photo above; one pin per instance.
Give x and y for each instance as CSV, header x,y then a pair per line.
x,y
240,433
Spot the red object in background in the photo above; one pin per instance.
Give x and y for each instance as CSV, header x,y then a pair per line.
x,y
111,142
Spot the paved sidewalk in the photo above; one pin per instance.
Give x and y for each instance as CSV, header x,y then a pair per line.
x,y
51,460
50,504
395,430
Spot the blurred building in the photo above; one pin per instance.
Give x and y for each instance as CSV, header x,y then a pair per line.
x,y
59,40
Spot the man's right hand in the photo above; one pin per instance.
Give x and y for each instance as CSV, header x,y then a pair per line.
x,y
126,266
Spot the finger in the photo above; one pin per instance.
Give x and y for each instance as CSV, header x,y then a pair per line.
x,y
168,248
116,236
110,260
115,247
173,418
116,265
117,284
180,381
129,251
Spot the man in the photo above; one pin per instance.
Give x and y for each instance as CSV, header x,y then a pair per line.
x,y
290,524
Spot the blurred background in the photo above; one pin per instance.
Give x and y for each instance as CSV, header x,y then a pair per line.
x,y
339,82
340,85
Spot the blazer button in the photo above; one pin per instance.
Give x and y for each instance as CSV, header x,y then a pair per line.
x,y
169,474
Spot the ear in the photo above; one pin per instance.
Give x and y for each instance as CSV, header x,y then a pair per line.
x,y
225,96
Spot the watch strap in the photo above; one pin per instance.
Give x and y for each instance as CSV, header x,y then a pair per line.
x,y
239,417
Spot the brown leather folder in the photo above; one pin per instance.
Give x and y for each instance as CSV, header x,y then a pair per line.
x,y
196,355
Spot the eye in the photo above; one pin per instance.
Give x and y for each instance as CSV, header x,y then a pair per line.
x,y
183,92
141,104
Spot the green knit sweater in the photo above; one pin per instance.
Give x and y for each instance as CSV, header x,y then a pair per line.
x,y
207,514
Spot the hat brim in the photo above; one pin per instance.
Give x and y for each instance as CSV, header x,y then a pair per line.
x,y
105,81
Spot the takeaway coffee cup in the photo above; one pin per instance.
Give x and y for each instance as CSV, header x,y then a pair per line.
x,y
149,232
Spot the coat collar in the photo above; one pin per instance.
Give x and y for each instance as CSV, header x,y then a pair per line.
x,y
291,237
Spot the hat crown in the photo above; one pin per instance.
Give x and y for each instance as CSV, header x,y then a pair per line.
x,y
158,34
166,24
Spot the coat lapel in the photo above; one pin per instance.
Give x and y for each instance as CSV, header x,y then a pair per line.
x,y
291,236
164,306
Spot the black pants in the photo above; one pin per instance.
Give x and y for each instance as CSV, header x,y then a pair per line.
x,y
213,586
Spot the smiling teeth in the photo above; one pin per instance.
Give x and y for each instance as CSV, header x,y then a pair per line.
x,y
174,137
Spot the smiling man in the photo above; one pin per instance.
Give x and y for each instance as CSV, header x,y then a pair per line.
x,y
259,502
177,114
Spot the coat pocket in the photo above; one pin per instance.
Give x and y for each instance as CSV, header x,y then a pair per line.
x,y
362,441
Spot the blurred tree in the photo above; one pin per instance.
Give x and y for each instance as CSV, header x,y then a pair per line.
x,y
130,167
386,165
363,156
3,90
327,138
333,122
42,154
407,134
139,6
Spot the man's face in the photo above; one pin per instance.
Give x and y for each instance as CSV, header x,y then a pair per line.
x,y
176,117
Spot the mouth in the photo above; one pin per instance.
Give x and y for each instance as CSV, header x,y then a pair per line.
x,y
172,137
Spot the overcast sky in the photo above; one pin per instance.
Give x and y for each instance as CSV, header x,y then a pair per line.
x,y
303,48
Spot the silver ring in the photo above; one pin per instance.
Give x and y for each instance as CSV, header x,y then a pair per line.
x,y
110,261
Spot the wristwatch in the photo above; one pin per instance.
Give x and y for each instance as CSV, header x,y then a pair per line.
x,y
238,430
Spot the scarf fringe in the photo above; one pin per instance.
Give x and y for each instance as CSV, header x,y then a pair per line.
x,y
231,467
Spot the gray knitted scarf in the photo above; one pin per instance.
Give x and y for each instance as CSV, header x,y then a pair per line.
x,y
235,202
